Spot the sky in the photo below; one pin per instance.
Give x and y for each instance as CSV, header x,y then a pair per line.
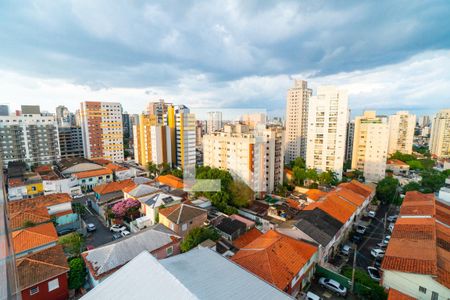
x,y
388,55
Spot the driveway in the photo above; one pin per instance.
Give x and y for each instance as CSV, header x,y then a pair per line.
x,y
100,236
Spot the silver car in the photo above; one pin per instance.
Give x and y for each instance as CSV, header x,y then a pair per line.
x,y
333,286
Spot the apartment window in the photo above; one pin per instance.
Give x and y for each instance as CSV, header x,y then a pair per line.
x,y
434,296
34,290
422,289
53,284
169,251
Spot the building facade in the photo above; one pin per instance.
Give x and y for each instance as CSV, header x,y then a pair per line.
x,y
158,109
181,124
297,103
71,142
349,143
327,128
370,145
401,132
214,122
64,117
102,130
30,137
440,134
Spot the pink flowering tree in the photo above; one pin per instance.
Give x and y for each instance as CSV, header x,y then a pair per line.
x,y
125,208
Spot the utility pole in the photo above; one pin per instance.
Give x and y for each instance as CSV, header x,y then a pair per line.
x,y
354,264
385,219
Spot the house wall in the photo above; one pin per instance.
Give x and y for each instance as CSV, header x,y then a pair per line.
x,y
36,249
88,183
61,293
162,252
55,209
35,189
66,185
178,228
409,283
17,193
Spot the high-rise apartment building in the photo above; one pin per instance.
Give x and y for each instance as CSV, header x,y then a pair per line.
x,y
297,120
4,110
71,142
349,143
401,132
29,136
214,122
254,119
181,123
327,128
424,121
102,130
253,155
64,117
158,109
440,134
370,145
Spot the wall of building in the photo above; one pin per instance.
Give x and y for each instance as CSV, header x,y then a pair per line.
x,y
60,293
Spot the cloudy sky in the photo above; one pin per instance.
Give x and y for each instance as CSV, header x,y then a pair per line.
x,y
389,55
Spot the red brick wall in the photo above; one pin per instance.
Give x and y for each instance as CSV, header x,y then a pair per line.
x,y
162,252
61,293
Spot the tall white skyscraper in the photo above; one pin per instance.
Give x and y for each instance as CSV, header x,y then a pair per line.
x,y
440,134
401,132
370,145
327,128
214,122
297,120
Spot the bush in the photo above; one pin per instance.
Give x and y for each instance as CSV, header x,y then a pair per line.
x,y
77,273
197,236
376,291
73,243
387,189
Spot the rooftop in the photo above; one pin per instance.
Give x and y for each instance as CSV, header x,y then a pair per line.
x,y
92,173
182,213
36,216
230,226
41,266
315,194
112,187
140,190
170,180
247,238
33,237
275,257
318,225
198,274
115,168
396,295
418,204
38,202
396,162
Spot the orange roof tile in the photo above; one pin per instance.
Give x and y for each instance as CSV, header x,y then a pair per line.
x,y
443,254
247,238
43,168
358,187
14,182
113,186
350,195
171,181
294,204
418,204
32,237
396,295
114,167
93,173
338,208
38,202
396,162
275,257
36,216
315,194
101,161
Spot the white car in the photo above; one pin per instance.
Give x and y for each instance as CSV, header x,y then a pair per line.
x,y
377,252
371,214
117,228
346,249
391,227
333,286
77,196
361,229
90,227
392,218
312,296
125,233
387,239
374,273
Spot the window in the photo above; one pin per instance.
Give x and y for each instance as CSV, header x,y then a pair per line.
x,y
34,290
434,296
169,250
184,227
422,289
53,284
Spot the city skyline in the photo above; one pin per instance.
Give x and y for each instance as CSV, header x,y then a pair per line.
x,y
398,62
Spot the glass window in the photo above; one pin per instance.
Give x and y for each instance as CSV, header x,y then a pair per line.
x,y
53,284
34,290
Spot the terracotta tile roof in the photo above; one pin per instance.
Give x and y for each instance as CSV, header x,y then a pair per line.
x,y
275,257
247,238
38,202
358,187
443,254
41,266
113,186
171,181
181,213
294,204
338,208
396,162
32,237
418,204
93,173
15,182
43,168
315,194
101,161
443,213
396,295
312,206
36,216
350,195
114,167
288,171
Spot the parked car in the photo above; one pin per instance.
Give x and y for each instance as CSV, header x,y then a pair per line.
x,y
125,233
117,228
391,227
346,249
371,214
312,296
361,229
116,236
374,273
377,252
356,238
392,218
66,231
387,239
90,227
77,196
382,245
333,286
377,262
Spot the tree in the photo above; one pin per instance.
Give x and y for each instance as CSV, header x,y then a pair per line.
x,y
177,173
328,177
432,180
387,189
281,190
241,193
374,291
412,186
77,273
298,162
312,175
299,175
197,236
153,170
126,207
73,243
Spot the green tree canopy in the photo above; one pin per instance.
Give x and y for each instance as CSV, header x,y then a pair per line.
x,y
299,175
77,273
196,236
73,243
387,189
298,162
432,180
241,193
412,186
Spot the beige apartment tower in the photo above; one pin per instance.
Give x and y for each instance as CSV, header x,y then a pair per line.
x,y
440,134
370,145
401,132
297,102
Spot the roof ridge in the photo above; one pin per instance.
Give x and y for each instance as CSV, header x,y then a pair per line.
x,y
179,215
43,262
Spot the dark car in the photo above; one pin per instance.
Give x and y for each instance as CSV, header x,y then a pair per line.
x,y
66,231
357,238
116,236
